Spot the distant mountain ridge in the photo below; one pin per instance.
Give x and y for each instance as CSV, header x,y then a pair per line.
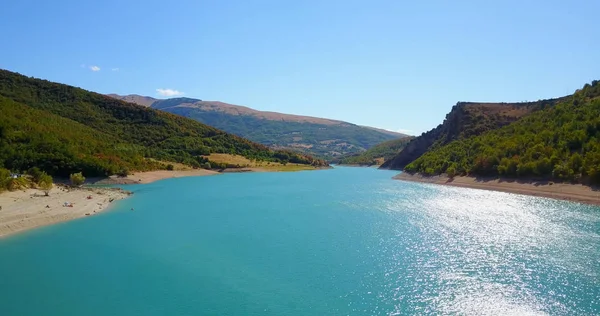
x,y
375,155
323,137
134,98
62,129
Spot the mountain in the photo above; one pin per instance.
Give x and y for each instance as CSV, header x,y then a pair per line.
x,y
558,141
63,129
317,136
375,155
467,119
134,98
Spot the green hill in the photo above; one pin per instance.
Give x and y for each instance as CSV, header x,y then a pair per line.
x,y
63,129
466,119
312,135
559,142
375,155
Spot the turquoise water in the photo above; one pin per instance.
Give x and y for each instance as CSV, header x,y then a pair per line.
x,y
348,241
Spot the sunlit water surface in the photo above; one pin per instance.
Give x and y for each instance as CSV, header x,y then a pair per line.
x,y
348,241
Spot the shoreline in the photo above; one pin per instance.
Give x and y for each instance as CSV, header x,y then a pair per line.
x,y
24,210
359,166
150,176
153,176
542,188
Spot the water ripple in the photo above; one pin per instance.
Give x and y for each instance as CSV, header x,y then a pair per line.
x,y
490,253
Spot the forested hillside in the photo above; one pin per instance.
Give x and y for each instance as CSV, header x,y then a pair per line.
x,y
466,119
560,142
377,154
63,129
312,135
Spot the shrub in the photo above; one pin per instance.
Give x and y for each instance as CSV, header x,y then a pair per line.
x,y
123,173
170,167
45,183
77,179
17,183
35,174
451,172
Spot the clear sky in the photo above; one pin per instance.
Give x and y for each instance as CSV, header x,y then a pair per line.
x,y
398,65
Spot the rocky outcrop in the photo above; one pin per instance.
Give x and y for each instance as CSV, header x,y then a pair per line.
x,y
466,119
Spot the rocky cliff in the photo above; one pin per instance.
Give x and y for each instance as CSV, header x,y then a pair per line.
x,y
466,119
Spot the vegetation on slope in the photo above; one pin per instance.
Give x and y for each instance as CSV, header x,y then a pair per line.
x,y
560,142
315,136
35,178
63,129
376,155
231,161
466,119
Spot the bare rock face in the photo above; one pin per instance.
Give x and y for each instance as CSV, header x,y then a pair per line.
x,y
466,119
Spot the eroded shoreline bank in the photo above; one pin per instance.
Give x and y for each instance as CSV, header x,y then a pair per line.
x,y
561,191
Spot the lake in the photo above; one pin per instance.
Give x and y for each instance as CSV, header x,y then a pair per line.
x,y
345,241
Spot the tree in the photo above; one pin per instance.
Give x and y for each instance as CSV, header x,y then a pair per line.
x,y
123,173
77,179
35,174
45,183
4,179
451,172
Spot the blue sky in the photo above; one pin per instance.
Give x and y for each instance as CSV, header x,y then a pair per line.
x,y
397,65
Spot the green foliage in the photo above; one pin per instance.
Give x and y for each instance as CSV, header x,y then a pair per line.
x,y
4,178
36,174
62,130
315,139
45,183
123,172
170,167
560,142
77,179
386,150
451,171
18,183
465,120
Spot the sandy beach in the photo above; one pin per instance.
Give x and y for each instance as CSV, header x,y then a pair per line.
x,y
151,176
561,191
26,209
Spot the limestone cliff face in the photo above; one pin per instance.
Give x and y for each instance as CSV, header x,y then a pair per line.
x,y
466,119
443,133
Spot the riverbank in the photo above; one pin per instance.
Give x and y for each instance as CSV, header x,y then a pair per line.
x,y
151,176
26,209
276,168
561,191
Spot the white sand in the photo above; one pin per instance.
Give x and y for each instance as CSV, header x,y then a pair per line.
x,y
22,210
